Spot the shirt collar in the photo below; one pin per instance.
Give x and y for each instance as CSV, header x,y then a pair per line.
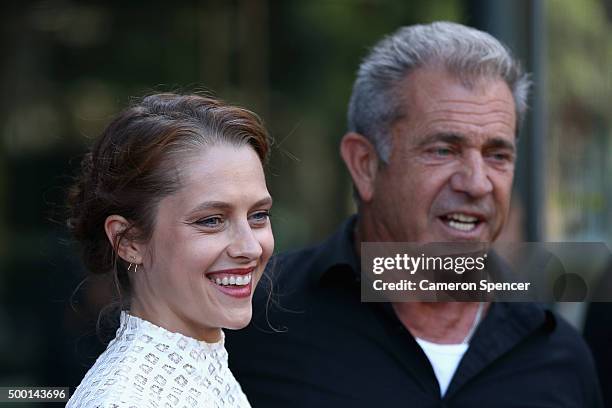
x,y
132,326
337,252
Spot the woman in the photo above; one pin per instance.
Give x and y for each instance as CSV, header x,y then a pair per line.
x,y
172,200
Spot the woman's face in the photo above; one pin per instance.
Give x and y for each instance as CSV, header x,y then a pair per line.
x,y
211,242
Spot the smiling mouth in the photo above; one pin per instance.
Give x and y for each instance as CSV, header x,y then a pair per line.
x,y
229,280
237,283
461,222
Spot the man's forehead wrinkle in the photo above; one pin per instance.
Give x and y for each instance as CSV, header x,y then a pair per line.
x,y
481,102
466,122
463,106
473,113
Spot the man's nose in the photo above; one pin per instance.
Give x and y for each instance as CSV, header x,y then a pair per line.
x,y
244,243
472,178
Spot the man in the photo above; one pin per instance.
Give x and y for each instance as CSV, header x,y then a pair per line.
x,y
431,149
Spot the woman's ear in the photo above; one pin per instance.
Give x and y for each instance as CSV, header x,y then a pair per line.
x,y
362,161
128,249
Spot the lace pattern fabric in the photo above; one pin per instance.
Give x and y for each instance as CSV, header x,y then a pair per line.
x,y
148,366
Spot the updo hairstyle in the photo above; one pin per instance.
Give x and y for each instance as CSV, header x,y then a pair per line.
x,y
134,164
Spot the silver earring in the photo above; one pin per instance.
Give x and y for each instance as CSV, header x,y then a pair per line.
x,y
133,258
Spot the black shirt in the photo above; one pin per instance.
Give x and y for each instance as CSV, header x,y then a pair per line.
x,y
598,333
313,343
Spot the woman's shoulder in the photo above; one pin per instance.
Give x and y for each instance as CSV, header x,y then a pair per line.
x,y
109,397
116,378
106,391
100,390
130,381
110,382
148,366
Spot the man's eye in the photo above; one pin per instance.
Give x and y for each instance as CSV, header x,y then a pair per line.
x,y
441,151
502,157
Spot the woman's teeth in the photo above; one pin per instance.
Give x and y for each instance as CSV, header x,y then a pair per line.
x,y
236,280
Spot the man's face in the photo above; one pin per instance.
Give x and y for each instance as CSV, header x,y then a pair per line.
x,y
449,177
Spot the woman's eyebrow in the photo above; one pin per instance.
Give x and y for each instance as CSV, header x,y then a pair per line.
x,y
222,205
263,202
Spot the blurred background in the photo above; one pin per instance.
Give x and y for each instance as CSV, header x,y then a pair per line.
x,y
67,67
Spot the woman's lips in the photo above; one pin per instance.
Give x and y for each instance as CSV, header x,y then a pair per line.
x,y
233,282
234,271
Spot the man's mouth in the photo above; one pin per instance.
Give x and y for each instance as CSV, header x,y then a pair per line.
x,y
461,221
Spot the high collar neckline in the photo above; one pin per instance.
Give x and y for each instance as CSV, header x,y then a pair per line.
x,y
130,324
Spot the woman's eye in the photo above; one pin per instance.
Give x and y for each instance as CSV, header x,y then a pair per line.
x,y
211,222
260,217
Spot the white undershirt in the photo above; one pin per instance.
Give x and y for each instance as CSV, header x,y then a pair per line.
x,y
444,359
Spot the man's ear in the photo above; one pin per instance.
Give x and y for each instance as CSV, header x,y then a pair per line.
x,y
128,249
362,161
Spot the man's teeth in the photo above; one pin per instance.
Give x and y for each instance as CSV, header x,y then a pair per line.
x,y
462,222
462,226
462,217
236,280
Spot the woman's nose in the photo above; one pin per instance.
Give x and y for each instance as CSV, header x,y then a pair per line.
x,y
244,243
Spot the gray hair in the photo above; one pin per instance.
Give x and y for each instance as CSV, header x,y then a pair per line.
x,y
468,53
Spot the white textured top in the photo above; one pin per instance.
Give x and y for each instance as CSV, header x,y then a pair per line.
x,y
444,359
146,366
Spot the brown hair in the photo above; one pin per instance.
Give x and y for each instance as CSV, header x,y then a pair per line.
x,y
132,165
